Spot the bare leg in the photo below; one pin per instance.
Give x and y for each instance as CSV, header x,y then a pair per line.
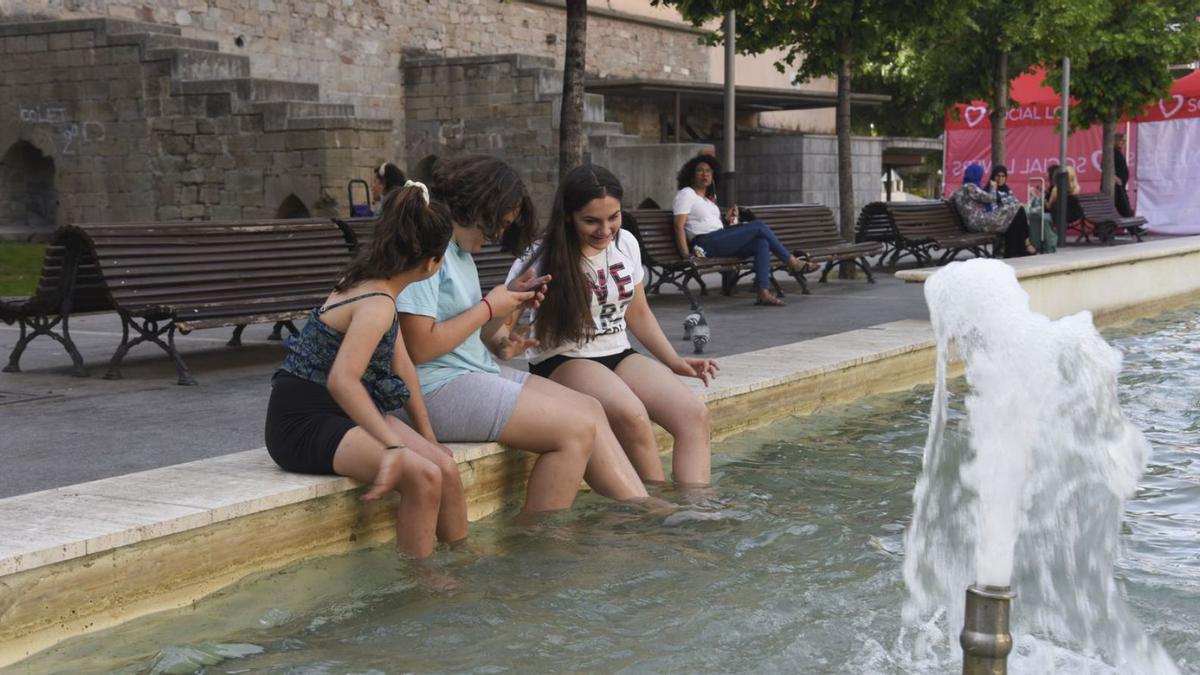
x,y
609,471
564,441
626,415
417,479
452,513
671,404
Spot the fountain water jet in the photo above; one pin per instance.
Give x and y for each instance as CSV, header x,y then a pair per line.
x,y
1028,490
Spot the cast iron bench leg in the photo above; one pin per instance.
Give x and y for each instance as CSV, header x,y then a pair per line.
x,y
43,325
235,340
865,266
14,359
185,378
277,331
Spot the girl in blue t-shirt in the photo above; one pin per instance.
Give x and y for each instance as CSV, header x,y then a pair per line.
x,y
349,364
453,334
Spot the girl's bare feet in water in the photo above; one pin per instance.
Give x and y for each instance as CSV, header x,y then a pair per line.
x,y
766,297
427,575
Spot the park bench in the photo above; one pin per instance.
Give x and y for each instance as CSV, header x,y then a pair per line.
x,y
810,232
924,227
69,284
492,263
655,232
1100,217
164,278
874,224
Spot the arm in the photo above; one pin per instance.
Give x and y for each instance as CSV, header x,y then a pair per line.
x,y
645,327
403,368
368,324
681,235
428,338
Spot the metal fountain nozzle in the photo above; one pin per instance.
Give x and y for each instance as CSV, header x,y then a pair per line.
x,y
985,639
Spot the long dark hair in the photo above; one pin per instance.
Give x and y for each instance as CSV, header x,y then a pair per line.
x,y
566,313
479,191
407,231
390,175
688,173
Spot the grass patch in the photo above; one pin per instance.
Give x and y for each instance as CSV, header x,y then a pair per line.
x,y
20,265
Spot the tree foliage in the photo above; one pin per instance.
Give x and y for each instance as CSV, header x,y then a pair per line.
x,y
1129,57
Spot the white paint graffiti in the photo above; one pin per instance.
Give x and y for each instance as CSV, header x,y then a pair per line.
x,y
68,130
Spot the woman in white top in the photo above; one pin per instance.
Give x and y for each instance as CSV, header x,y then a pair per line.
x,y
698,226
582,341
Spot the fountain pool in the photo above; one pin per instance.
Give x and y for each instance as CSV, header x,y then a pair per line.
x,y
793,563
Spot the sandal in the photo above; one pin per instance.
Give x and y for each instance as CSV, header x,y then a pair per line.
x,y
808,268
768,300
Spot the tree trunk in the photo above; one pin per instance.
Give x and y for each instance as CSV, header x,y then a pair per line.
x,y
999,113
571,139
845,163
1108,165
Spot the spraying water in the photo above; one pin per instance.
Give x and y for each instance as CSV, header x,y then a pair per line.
x,y
1030,491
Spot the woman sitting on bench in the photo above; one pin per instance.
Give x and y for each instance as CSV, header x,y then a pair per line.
x,y
349,363
581,329
986,211
700,231
452,332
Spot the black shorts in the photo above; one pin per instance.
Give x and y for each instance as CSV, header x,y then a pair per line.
x,y
548,366
304,425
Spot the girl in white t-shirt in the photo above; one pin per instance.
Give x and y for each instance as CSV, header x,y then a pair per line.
x,y
582,330
698,225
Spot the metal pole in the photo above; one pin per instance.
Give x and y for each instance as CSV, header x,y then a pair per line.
x,y
729,180
1060,207
985,639
678,120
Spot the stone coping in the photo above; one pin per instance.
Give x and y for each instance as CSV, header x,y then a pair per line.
x,y
53,526
1072,259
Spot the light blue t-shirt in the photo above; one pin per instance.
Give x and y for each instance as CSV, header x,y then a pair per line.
x,y
445,295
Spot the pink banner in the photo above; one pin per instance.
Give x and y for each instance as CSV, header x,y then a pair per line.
x,y
1031,150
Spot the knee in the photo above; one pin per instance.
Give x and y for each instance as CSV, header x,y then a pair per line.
x,y
631,417
448,469
588,420
424,482
697,414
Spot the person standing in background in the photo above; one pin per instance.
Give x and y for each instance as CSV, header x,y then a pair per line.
x,y
1121,168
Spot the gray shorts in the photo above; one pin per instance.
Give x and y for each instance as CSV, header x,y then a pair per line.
x,y
474,406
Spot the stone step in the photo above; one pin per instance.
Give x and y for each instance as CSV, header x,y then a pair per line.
x,y
593,109
596,142
361,123
199,64
155,41
277,115
248,90
100,26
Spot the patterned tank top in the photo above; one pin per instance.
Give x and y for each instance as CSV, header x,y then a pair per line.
x,y
310,355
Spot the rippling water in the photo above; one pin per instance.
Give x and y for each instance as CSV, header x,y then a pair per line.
x,y
791,563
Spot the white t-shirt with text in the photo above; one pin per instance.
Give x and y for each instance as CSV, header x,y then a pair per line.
x,y
703,216
613,275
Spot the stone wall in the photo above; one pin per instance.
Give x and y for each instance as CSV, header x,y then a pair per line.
x,y
353,48
789,169
142,125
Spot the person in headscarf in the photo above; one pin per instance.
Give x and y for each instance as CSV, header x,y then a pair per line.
x,y
983,210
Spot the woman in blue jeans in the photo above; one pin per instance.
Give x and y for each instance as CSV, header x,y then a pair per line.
x,y
700,231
